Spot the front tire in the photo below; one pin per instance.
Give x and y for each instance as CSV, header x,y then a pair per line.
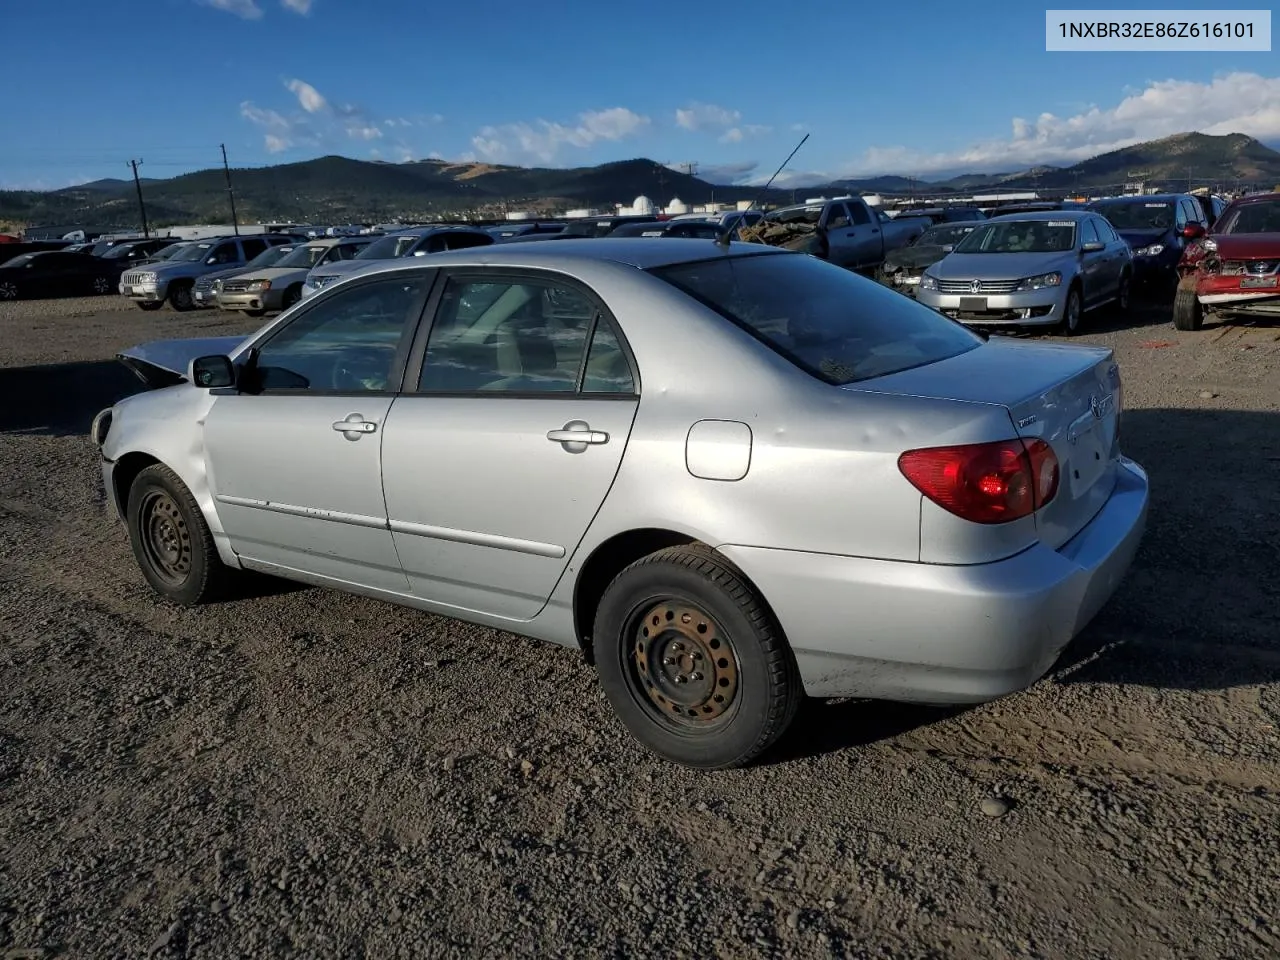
x,y
1187,313
1071,313
693,662
1123,295
180,297
291,296
171,540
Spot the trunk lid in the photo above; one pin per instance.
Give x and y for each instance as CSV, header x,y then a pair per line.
x,y
1068,396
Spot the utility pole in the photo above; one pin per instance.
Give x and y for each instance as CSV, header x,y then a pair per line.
x,y
1188,179
235,221
142,207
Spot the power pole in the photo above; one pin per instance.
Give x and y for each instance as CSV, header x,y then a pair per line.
x,y
235,221
1188,179
142,207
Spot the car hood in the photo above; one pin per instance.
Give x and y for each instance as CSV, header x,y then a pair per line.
x,y
342,268
225,273
187,267
274,273
1142,238
999,266
162,363
917,257
1247,246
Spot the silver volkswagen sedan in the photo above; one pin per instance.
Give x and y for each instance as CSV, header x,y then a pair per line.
x,y
733,475
1032,270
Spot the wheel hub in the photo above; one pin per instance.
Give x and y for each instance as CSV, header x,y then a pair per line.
x,y
686,666
168,541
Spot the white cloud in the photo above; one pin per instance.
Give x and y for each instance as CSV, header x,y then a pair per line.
x,y
738,134
309,97
701,116
542,140
275,144
363,131
300,7
278,131
248,9
1239,102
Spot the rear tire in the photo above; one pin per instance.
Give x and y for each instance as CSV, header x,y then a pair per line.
x,y
180,297
1120,306
171,540
8,290
100,286
1187,312
693,662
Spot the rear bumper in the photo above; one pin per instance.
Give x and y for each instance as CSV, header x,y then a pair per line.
x,y
929,633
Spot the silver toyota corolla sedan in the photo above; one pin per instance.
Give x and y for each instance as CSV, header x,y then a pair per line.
x,y
1032,270
734,475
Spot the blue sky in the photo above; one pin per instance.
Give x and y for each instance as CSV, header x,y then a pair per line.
x,y
922,89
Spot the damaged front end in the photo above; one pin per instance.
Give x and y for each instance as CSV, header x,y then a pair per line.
x,y
1231,283
164,363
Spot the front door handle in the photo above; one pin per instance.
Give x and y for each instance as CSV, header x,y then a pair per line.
x,y
354,426
576,435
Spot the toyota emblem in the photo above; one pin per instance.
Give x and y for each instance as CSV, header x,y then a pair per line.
x,y
976,286
1096,407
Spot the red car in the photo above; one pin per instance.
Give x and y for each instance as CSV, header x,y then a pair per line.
x,y
1234,272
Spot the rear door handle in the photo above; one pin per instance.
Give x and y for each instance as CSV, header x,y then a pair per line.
x,y
576,434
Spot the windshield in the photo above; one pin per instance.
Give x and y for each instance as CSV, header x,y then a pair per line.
x,y
304,256
197,251
1020,236
388,248
1251,218
171,251
268,257
945,236
1138,214
120,251
838,326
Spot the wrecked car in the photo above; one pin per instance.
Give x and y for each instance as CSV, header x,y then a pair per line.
x,y
1234,272
902,267
846,231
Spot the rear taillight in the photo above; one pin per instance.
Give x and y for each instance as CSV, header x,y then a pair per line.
x,y
985,482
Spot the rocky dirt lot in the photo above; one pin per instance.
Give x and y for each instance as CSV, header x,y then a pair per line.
x,y
302,773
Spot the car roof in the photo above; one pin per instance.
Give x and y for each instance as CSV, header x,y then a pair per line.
x,y
1257,198
639,252
1149,197
1045,215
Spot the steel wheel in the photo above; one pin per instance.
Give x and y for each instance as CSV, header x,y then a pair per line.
x,y
683,665
166,541
8,291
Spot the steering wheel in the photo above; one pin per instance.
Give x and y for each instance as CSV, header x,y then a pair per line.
x,y
360,369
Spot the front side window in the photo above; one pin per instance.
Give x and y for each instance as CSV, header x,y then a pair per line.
x,y
833,324
1088,233
347,343
225,253
519,336
858,213
837,216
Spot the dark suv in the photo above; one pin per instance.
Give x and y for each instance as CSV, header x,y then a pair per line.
x,y
1158,227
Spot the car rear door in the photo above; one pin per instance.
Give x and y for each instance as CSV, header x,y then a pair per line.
x,y
506,439
295,466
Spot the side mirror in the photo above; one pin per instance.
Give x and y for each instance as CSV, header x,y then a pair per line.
x,y
1192,231
1092,247
213,371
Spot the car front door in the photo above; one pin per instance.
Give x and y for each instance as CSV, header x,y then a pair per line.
x,y
294,458
506,439
1117,252
1093,265
842,247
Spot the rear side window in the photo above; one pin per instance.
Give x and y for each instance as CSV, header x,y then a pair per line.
x,y
835,325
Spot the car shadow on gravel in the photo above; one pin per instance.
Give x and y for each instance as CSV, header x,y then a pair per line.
x,y
1199,609
61,399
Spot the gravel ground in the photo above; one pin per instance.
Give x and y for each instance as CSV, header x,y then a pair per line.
x,y
303,773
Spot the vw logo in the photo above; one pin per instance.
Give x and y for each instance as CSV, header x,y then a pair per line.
x,y
975,287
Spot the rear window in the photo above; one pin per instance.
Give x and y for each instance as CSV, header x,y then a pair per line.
x,y
838,326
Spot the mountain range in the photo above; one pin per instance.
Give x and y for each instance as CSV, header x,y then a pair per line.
x,y
336,189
